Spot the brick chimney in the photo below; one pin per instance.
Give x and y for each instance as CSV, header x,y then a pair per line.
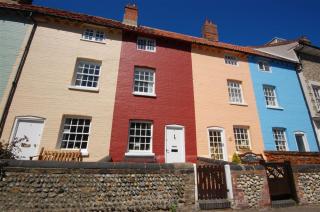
x,y
130,15
17,1
304,40
210,31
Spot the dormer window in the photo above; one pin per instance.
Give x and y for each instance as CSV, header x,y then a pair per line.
x,y
93,35
264,66
146,44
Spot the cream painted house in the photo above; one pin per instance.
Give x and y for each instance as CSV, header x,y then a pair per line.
x,y
225,109
66,93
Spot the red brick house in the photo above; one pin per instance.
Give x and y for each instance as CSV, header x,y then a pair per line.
x,y
154,116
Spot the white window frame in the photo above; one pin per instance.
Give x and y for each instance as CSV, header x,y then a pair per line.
x,y
73,85
94,36
305,140
285,137
223,139
316,96
139,93
146,46
274,90
231,60
248,135
264,64
241,92
140,152
84,152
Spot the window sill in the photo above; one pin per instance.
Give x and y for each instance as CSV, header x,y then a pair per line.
x,y
146,50
144,94
239,104
93,41
275,108
79,88
263,71
139,154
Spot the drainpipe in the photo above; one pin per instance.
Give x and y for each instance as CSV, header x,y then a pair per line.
x,y
307,105
18,74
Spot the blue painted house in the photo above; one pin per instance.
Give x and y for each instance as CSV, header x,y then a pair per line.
x,y
15,30
283,113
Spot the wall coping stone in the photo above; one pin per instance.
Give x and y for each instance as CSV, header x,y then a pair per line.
x,y
293,153
102,167
306,168
234,167
209,160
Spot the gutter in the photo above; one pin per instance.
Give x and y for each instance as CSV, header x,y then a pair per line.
x,y
18,74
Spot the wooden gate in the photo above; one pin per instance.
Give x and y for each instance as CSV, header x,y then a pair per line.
x,y
211,181
280,181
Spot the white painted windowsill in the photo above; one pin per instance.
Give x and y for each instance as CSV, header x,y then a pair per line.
x,y
144,94
93,41
239,104
72,87
275,107
139,154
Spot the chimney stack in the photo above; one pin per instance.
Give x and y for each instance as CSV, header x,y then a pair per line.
x,y
17,1
304,40
210,31
130,15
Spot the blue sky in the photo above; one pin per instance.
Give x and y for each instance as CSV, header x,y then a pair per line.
x,y
245,22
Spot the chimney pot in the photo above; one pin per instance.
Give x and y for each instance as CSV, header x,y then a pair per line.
x,y
210,31
130,15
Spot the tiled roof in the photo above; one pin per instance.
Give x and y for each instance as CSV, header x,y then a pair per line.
x,y
141,29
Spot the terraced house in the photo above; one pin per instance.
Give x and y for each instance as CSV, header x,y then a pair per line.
x,y
66,92
16,35
284,118
226,114
124,92
302,51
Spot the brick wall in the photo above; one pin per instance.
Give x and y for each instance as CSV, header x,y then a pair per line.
x,y
293,157
43,185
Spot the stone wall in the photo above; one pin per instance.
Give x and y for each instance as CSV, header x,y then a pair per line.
x,y
296,158
250,187
310,73
307,182
40,185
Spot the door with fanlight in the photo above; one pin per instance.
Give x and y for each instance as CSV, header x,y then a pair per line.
x,y
217,144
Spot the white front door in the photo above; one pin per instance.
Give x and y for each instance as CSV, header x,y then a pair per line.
x,y
175,145
32,130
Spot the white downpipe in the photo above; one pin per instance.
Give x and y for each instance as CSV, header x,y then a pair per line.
x,y
228,181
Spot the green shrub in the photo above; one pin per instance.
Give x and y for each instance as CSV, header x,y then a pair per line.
x,y
10,150
236,159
